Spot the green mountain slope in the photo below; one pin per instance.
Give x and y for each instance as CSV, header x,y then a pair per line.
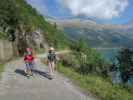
x,y
97,35
101,38
18,20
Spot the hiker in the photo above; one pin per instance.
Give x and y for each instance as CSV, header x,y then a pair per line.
x,y
51,60
29,60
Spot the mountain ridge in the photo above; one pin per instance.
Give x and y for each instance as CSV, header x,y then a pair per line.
x,y
97,34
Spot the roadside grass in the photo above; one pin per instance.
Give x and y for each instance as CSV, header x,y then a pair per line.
x,y
3,35
39,51
1,68
96,85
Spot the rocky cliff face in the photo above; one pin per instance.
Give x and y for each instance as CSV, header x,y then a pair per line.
x,y
33,39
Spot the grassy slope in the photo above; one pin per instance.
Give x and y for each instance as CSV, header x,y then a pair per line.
x,y
29,20
51,34
96,85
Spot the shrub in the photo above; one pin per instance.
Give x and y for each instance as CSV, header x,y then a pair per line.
x,y
70,60
89,59
125,63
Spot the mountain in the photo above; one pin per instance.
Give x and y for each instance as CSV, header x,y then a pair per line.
x,y
21,23
97,35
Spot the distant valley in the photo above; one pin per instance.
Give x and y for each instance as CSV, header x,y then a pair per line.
x,y
97,35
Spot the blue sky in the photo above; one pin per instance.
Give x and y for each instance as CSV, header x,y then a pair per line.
x,y
103,11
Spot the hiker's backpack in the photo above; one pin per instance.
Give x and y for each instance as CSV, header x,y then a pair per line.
x,y
51,57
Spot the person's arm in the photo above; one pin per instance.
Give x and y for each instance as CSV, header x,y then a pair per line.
x,y
33,60
47,59
56,58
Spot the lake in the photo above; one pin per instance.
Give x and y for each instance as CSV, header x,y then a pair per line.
x,y
109,54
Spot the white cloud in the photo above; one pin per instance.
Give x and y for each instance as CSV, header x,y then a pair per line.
x,y
102,9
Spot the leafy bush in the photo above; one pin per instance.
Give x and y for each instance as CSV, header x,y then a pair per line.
x,y
125,63
88,59
3,35
70,60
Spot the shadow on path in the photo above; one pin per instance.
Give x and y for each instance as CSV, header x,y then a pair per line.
x,y
21,72
44,74
35,71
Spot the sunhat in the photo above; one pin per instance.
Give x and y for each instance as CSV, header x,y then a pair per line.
x,y
51,48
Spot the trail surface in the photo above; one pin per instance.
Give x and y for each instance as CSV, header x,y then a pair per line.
x,y
14,85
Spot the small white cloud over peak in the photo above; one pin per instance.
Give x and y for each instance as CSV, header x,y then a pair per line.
x,y
101,9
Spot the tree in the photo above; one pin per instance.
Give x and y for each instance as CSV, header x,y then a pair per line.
x,y
125,63
55,25
8,13
80,46
89,59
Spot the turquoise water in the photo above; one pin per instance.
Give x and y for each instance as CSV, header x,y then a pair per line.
x,y
109,54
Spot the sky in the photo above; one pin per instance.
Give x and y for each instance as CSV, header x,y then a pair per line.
x,y
103,11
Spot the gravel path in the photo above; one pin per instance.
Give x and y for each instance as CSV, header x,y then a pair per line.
x,y
14,85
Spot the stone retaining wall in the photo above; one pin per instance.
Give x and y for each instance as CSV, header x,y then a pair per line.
x,y
6,50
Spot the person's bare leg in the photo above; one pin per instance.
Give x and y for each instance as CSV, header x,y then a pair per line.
x,y
53,66
30,72
50,68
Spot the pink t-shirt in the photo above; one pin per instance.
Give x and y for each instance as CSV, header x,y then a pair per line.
x,y
28,58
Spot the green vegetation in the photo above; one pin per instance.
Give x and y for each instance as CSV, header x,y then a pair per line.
x,y
1,67
97,36
89,70
85,60
51,34
3,35
40,50
96,85
18,20
125,64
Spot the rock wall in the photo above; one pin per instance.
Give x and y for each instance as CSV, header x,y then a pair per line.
x,y
6,50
